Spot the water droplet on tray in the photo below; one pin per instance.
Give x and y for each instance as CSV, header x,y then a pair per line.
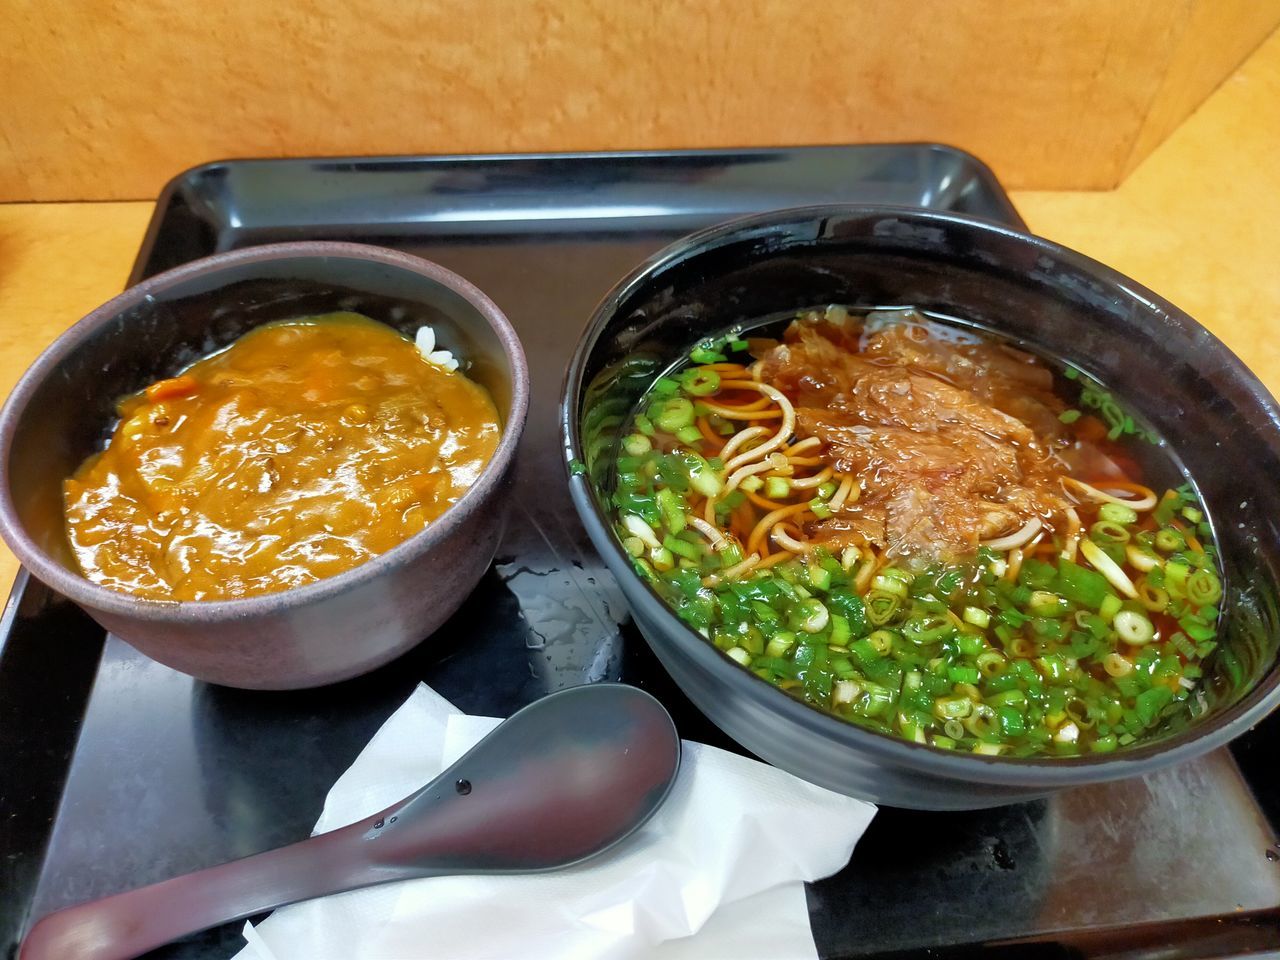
x,y
1000,854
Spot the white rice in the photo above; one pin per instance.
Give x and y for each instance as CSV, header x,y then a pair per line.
x,y
426,344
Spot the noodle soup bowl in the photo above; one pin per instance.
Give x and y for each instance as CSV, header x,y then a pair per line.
x,y
1215,416
63,409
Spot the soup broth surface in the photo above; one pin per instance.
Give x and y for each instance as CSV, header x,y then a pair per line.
x,y
922,529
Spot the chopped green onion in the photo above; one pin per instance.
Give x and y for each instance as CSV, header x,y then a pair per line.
x,y
1108,567
776,488
928,629
689,435
700,383
1175,579
704,480
991,663
1150,702
1117,665
1133,628
819,576
812,616
706,352
671,414
1080,585
780,643
881,607
673,509
1012,723
1108,532
1199,632
683,548
1109,607
976,616
1154,599
1046,604
1117,513
841,632
893,586
1203,588
881,641
953,708
661,558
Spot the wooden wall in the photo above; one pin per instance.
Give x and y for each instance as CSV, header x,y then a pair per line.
x,y
106,99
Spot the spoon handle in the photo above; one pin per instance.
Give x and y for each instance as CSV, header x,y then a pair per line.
x,y
129,924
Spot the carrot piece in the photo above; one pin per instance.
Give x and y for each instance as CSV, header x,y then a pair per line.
x,y
1192,542
1091,428
705,429
173,387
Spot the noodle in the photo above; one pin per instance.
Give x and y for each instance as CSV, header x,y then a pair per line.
x,y
708,530
817,480
847,491
1073,534
740,438
769,519
734,572
1019,538
803,446
733,413
788,542
1145,502
784,432
742,473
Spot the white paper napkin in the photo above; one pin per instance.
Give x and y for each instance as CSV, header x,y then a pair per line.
x,y
718,872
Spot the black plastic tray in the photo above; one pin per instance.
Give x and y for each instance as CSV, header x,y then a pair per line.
x,y
118,772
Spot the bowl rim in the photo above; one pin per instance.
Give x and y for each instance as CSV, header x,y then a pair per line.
x,y
1031,772
118,603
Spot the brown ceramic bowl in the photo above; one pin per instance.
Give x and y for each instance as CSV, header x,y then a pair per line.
x,y
339,627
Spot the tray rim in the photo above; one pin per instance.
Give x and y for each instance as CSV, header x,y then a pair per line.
x,y
1012,218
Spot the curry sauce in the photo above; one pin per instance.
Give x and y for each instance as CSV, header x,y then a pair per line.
x,y
301,450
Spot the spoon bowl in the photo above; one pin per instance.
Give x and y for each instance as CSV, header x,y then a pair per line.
x,y
561,781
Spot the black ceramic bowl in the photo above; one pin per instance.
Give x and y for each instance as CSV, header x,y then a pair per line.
x,y
1212,410
338,627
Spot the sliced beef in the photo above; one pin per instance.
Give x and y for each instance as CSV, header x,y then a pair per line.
x,y
940,435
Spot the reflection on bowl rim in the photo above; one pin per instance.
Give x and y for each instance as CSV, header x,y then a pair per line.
x,y
80,589
1048,773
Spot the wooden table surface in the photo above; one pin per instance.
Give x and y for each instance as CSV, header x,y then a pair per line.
x,y
1196,222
